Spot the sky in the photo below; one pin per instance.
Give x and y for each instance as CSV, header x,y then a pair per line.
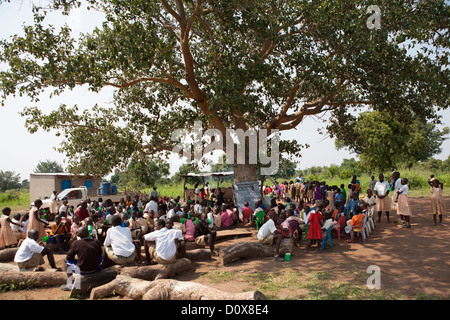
x,y
22,151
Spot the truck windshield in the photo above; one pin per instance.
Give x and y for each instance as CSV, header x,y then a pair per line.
x,y
70,194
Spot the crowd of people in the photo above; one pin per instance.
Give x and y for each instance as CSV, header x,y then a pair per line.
x,y
98,234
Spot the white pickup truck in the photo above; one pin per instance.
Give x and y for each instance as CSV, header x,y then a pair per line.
x,y
76,195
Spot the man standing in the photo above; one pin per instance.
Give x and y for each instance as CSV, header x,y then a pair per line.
x,y
53,206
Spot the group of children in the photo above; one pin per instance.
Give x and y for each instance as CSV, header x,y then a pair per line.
x,y
341,209
198,220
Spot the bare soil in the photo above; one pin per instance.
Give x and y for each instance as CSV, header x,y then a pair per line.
x,y
414,263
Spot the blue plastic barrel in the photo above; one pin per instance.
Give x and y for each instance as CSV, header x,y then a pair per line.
x,y
113,189
105,188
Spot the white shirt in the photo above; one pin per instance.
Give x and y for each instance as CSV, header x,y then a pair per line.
x,y
17,228
381,187
398,183
63,208
210,216
328,223
165,241
266,229
120,240
27,249
370,200
198,208
404,189
152,205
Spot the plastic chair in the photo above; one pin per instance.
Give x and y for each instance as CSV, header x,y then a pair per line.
x,y
327,237
370,220
366,227
259,219
357,230
338,229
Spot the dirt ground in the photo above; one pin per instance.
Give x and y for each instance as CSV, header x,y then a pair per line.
x,y
414,263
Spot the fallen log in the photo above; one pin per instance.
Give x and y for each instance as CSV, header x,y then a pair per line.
x,y
103,291
81,284
169,289
8,254
132,288
157,271
198,254
252,250
151,272
10,274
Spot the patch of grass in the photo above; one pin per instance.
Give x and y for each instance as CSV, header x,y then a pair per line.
x,y
220,276
424,296
5,287
271,283
17,200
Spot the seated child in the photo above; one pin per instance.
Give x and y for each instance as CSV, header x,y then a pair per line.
x,y
188,227
357,221
328,221
352,204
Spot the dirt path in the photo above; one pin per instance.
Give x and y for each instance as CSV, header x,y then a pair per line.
x,y
414,264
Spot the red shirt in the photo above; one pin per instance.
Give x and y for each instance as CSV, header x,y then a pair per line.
x,y
82,214
247,212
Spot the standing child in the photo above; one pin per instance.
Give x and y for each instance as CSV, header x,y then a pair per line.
x,y
36,222
317,193
315,229
403,207
437,203
383,202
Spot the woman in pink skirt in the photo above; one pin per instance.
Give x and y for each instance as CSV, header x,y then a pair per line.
x,y
403,207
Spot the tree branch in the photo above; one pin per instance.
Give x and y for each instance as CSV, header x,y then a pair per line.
x,y
173,12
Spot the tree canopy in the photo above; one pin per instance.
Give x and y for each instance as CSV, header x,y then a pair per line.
x,y
383,142
235,64
48,166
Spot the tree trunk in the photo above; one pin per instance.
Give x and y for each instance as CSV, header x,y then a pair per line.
x,y
168,289
252,250
157,271
244,172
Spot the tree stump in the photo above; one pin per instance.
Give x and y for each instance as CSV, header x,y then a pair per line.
x,y
169,289
252,250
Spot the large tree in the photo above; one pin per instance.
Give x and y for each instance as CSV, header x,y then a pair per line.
x,y
236,64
